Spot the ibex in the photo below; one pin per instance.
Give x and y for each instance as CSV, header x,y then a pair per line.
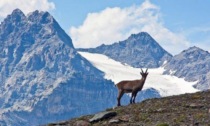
x,y
131,87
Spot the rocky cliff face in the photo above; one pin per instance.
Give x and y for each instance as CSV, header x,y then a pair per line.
x,y
192,64
42,77
139,50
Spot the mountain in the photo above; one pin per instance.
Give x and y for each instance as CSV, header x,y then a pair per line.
x,y
182,110
42,77
139,50
192,64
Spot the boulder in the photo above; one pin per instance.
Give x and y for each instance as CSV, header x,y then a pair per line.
x,y
102,115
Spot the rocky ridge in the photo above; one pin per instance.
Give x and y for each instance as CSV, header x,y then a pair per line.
x,y
187,109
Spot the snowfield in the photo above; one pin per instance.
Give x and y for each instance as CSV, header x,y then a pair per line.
x,y
166,85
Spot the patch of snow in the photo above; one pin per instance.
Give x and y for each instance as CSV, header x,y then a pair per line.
x,y
171,72
55,85
165,62
166,85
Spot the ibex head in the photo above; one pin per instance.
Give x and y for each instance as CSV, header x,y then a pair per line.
x,y
144,74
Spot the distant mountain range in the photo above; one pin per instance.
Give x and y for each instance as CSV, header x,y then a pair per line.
x,y
139,50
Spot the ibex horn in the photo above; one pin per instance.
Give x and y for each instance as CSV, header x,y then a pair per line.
x,y
142,71
146,70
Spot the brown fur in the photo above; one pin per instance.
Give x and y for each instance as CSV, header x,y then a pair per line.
x,y
131,87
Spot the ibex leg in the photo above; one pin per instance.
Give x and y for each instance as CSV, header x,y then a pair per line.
x,y
120,94
134,97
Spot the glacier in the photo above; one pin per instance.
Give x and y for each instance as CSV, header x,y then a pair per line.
x,y
165,85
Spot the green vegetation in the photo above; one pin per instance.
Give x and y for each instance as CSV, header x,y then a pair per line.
x,y
162,124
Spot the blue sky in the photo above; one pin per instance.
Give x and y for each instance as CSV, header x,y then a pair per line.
x,y
174,24
177,14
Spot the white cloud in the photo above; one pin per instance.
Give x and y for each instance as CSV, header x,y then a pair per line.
x,y
7,6
116,24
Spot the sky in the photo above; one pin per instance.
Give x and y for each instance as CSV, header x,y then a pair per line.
x,y
175,24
